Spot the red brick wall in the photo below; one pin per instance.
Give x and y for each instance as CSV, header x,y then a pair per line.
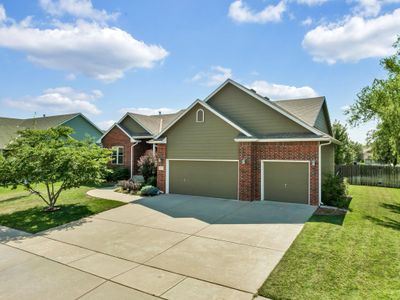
x,y
162,166
246,172
250,173
116,137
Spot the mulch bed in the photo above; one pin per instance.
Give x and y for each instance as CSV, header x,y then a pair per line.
x,y
330,211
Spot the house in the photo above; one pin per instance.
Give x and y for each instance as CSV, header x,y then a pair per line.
x,y
82,126
237,144
129,137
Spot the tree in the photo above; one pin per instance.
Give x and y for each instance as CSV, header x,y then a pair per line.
x,y
53,158
349,151
381,102
147,166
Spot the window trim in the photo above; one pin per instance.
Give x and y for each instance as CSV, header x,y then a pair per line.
x,y
197,116
117,148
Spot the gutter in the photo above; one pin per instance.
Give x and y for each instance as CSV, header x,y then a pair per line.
x,y
319,170
284,140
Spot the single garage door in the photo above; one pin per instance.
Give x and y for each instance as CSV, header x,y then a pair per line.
x,y
286,181
204,178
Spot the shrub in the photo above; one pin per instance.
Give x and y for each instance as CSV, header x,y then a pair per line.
x,y
149,190
335,191
129,186
117,174
147,166
152,181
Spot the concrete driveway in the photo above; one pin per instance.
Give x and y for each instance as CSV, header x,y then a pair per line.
x,y
170,246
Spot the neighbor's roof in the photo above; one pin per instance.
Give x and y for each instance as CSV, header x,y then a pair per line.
x,y
155,123
10,126
306,109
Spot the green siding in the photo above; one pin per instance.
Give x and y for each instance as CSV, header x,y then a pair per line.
x,y
327,160
133,127
83,129
212,139
204,178
321,122
286,182
252,114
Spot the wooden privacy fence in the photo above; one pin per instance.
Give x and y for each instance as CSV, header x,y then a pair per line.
x,y
377,175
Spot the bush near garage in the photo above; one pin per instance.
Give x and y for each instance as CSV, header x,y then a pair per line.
x,y
335,192
149,190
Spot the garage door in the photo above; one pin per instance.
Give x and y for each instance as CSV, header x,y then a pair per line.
x,y
286,181
204,178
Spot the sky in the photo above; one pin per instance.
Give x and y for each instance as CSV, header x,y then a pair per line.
x,y
104,58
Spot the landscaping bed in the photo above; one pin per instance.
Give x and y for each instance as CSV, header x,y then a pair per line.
x,y
21,210
351,256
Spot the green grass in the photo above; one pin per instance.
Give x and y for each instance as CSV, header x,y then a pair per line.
x,y
21,210
351,257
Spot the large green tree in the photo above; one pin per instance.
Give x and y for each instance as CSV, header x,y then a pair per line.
x,y
51,157
348,151
381,102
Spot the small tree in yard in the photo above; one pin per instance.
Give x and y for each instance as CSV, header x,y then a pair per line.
x,y
147,166
51,157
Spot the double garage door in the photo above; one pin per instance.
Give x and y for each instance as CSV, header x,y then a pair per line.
x,y
204,178
284,181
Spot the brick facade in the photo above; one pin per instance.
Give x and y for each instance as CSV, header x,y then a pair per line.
x,y
253,153
162,166
116,137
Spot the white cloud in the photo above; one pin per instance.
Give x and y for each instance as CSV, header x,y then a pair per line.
x,y
98,51
241,13
354,38
307,22
59,100
371,8
105,124
148,111
280,91
215,76
78,8
70,76
3,15
311,2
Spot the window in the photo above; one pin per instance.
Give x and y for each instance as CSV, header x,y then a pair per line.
x,y
200,116
117,156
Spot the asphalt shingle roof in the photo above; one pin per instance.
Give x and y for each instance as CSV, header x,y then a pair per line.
x,y
306,110
155,123
10,126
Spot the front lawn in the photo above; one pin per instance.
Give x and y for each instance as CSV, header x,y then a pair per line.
x,y
351,257
21,210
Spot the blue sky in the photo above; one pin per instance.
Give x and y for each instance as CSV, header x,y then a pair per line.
x,y
106,57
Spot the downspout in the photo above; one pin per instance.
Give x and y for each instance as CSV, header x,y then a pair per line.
x,y
319,170
132,164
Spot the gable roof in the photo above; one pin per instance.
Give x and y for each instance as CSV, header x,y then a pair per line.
x,y
9,127
209,108
306,109
154,124
269,103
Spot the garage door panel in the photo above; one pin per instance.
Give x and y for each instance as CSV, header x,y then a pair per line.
x,y
204,178
286,181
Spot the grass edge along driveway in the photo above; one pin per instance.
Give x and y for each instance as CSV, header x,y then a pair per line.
x,y
351,257
23,211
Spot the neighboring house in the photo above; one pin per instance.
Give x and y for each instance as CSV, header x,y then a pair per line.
x,y
82,126
368,156
129,138
237,144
